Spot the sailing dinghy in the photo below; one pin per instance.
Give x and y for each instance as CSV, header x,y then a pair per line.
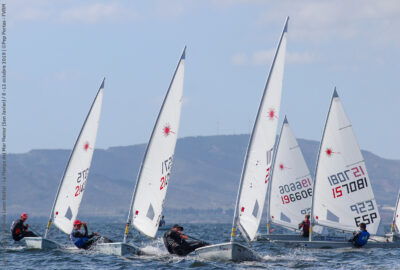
x,y
148,197
72,186
396,217
343,195
290,189
395,228
256,170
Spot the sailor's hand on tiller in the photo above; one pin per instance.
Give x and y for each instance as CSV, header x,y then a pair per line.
x,y
84,223
95,233
184,236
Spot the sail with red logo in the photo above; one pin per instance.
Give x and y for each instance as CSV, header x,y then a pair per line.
x,y
257,166
396,218
153,178
256,170
343,196
77,171
72,185
291,184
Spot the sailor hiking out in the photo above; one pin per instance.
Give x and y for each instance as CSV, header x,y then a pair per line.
x,y
361,238
175,242
19,230
84,240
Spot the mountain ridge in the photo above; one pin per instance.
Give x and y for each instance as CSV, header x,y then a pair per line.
x,y
205,177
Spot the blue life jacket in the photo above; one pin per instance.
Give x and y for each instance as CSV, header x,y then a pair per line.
x,y
363,238
79,242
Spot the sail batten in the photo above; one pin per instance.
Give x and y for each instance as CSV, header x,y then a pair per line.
x,y
152,181
258,160
343,193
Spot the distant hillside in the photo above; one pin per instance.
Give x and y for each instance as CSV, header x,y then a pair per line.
x,y
203,184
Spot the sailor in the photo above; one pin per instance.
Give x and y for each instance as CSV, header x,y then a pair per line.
x,y
19,230
82,240
162,222
175,242
305,226
361,238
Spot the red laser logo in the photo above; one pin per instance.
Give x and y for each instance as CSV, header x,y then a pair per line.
x,y
167,130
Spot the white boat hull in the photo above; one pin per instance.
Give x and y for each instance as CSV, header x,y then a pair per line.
x,y
40,243
296,237
227,252
119,249
334,244
286,237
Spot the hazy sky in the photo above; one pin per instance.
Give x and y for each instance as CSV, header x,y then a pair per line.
x,y
58,52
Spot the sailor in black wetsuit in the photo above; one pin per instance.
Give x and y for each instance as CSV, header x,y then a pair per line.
x,y
19,230
82,240
175,242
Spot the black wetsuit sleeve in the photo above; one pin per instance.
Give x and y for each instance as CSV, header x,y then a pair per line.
x,y
176,237
89,236
78,234
86,231
13,227
18,225
301,224
172,239
355,237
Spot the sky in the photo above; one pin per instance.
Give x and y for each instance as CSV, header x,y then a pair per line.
x,y
59,51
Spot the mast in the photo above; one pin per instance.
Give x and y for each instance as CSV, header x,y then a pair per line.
x,y
69,160
249,147
335,95
285,121
128,222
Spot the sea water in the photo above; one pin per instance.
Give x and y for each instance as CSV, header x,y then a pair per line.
x,y
276,257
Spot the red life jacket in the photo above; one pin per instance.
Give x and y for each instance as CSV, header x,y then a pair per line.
x,y
306,225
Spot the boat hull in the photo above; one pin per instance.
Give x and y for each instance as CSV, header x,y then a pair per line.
x,y
227,252
40,243
296,237
286,237
334,244
119,249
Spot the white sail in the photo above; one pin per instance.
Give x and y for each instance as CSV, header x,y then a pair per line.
x,y
256,170
73,183
343,195
396,217
152,182
291,182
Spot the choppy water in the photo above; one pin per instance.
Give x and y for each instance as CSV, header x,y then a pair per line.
x,y
275,257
